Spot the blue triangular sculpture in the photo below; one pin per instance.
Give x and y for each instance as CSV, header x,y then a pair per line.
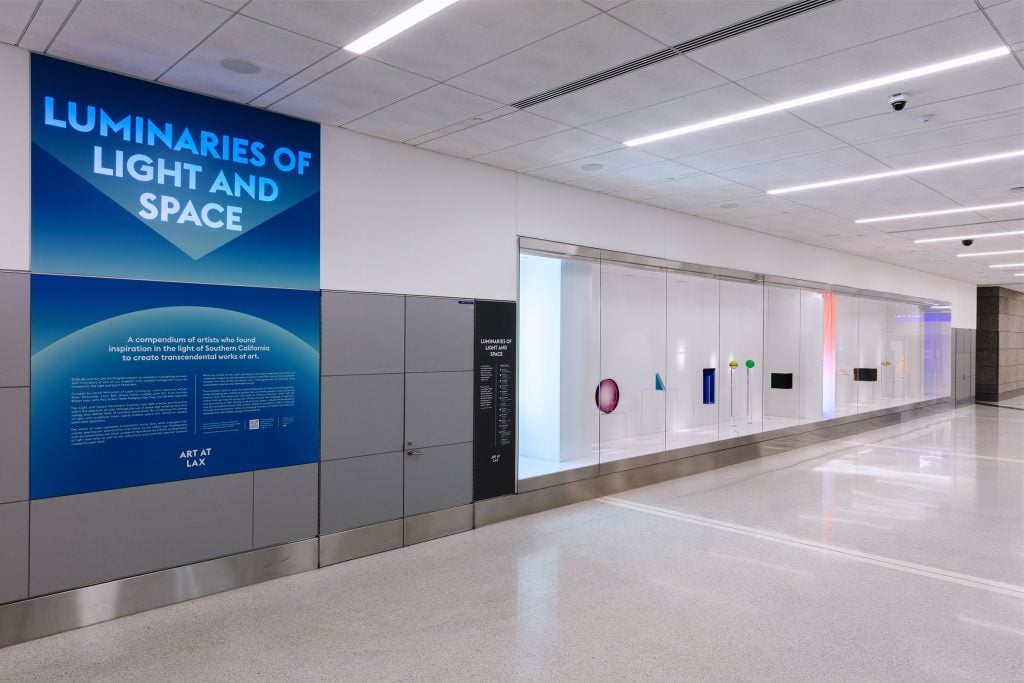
x,y
659,385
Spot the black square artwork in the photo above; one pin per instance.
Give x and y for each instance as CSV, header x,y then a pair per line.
x,y
782,380
865,374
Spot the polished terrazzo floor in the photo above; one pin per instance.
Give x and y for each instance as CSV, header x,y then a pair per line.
x,y
893,555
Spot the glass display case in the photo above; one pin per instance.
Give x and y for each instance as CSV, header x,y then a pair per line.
x,y
621,357
692,392
633,320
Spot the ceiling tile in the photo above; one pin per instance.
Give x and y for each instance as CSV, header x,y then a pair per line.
x,y
718,101
1009,20
329,21
495,134
138,38
997,126
778,147
953,153
672,21
948,39
999,175
725,193
635,90
422,113
823,31
806,168
44,25
633,177
474,32
998,194
696,181
943,115
14,19
353,90
279,53
233,5
615,160
584,49
569,144
303,78
462,125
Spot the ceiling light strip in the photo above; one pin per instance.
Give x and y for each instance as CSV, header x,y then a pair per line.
x,y
1008,265
944,212
904,171
391,28
969,237
888,79
991,253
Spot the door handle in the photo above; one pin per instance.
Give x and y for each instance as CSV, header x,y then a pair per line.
x,y
414,451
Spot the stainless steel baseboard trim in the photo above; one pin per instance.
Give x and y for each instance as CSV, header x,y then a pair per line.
x,y
431,525
615,481
368,540
50,614
556,478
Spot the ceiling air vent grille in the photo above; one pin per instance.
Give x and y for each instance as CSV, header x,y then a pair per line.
x,y
680,48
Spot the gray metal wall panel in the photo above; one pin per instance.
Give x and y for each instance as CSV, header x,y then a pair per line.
x,y
439,478
284,504
439,335
362,333
14,412
361,415
356,492
13,552
14,329
438,408
89,538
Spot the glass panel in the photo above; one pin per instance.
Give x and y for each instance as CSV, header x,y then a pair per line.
x,y
692,373
633,301
846,327
938,350
874,325
741,357
794,352
559,353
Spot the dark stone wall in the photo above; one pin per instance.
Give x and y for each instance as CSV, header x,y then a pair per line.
x,y
1000,344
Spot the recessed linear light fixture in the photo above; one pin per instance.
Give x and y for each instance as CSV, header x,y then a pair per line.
x,y
961,238
942,308
1008,265
903,171
991,253
888,79
392,27
923,214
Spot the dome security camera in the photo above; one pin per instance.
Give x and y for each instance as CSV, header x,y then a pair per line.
x,y
967,243
898,101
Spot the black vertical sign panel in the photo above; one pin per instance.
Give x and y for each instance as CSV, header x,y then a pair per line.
x,y
494,400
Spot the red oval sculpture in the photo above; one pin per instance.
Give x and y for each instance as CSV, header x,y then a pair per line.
x,y
607,396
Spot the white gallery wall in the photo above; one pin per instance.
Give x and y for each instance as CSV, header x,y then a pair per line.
x,y
400,219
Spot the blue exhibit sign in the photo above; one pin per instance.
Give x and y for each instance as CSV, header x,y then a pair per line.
x,y
137,180
143,382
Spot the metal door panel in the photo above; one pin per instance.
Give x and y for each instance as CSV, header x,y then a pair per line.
x,y
438,478
14,329
14,412
438,408
355,492
439,335
284,505
13,552
361,415
362,333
